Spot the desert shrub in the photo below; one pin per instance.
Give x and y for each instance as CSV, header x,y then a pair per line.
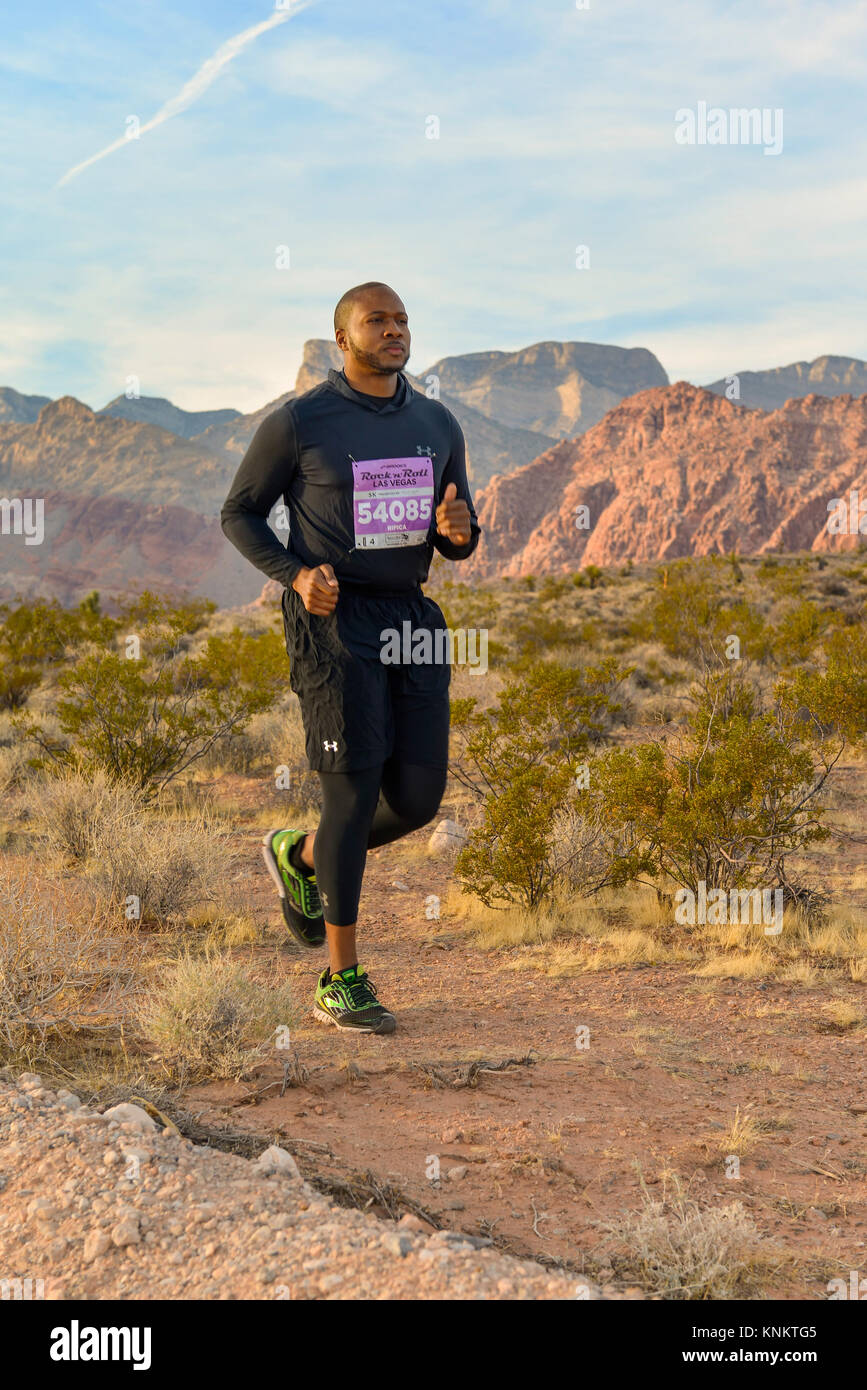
x,y
799,631
273,738
675,1250
540,631
126,851
36,637
160,869
75,812
590,577
209,1019
834,698
15,766
464,606
144,711
724,800
554,587
520,759
690,615
61,974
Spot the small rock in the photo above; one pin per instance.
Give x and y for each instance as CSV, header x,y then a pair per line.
x,y
126,1232
95,1245
277,1160
454,1239
42,1209
459,1171
29,1078
136,1155
411,1222
128,1114
68,1100
397,1245
452,1135
447,838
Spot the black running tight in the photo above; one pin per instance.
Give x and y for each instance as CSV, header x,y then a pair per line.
x,y
361,810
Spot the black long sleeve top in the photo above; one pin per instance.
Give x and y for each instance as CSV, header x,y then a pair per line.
x,y
360,478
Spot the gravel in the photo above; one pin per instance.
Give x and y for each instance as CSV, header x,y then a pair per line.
x,y
102,1206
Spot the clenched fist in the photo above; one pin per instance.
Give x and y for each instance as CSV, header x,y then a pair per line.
x,y
453,517
318,588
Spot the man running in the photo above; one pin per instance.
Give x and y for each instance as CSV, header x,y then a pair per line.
x,y
373,476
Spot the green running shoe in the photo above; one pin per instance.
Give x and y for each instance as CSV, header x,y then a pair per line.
x,y
299,895
348,1000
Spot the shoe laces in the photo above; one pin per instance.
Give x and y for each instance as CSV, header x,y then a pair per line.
x,y
360,990
311,892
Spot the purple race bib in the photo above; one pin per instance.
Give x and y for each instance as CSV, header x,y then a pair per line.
x,y
392,501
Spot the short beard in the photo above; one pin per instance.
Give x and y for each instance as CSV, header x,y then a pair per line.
x,y
370,360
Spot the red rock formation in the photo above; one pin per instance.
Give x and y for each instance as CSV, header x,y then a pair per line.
x,y
678,471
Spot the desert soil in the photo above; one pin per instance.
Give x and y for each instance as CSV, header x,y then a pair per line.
x,y
539,1154
480,1117
94,1207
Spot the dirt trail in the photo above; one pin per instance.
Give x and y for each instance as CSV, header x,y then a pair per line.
x,y
561,1138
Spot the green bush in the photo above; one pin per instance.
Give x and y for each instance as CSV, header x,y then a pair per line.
x,y
145,713
520,759
834,699
689,615
724,801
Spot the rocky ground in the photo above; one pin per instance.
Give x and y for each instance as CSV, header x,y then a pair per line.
x,y
113,1205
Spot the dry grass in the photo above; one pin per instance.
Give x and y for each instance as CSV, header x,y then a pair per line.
x,y
63,975
142,864
742,1135
676,1250
773,1065
208,1019
800,972
751,965
842,1015
74,813
155,872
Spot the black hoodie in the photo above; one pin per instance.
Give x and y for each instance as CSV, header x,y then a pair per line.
x,y
360,478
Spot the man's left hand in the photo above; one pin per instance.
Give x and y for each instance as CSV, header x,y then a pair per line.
x,y
453,517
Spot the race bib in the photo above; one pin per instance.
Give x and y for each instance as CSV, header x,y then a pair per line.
x,y
392,501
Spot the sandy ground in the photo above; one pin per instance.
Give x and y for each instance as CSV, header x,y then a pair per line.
x,y
563,1137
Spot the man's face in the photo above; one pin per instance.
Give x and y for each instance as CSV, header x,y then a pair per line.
x,y
378,332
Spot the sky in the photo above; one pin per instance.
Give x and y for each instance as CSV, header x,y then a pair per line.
x,y
284,155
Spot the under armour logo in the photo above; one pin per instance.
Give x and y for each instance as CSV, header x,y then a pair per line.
x,y
425,449
329,747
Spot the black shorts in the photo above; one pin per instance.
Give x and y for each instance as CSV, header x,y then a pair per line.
x,y
358,710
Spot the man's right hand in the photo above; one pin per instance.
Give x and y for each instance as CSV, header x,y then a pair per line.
x,y
318,588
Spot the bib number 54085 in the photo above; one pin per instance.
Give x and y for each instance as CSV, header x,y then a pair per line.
x,y
413,509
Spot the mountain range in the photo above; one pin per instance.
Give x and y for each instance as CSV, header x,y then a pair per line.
x,y
132,492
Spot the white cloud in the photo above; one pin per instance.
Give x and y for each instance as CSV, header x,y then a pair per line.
x,y
198,83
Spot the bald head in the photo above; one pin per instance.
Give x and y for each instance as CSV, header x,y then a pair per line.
x,y
358,294
372,332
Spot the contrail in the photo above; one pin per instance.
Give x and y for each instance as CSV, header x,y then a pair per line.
x,y
199,83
